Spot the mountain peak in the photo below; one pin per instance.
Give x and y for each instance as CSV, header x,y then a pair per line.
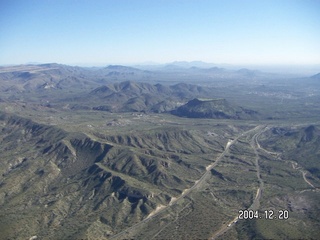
x,y
316,76
212,108
120,68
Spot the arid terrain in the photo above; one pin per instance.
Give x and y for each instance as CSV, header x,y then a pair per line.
x,y
173,153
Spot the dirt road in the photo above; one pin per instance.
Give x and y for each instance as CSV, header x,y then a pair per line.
x,y
186,192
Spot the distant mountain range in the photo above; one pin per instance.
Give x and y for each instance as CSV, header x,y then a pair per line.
x,y
117,88
57,76
134,96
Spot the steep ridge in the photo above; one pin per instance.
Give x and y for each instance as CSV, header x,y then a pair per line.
x,y
169,140
66,183
163,157
66,174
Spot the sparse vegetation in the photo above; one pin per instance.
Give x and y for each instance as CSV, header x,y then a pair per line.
x,y
86,156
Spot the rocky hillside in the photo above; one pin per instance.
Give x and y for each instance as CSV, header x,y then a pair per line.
x,y
65,185
301,145
213,108
136,97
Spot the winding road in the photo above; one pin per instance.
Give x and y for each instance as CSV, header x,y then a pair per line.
x,y
256,203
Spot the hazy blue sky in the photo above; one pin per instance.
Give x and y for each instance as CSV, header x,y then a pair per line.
x,y
135,31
